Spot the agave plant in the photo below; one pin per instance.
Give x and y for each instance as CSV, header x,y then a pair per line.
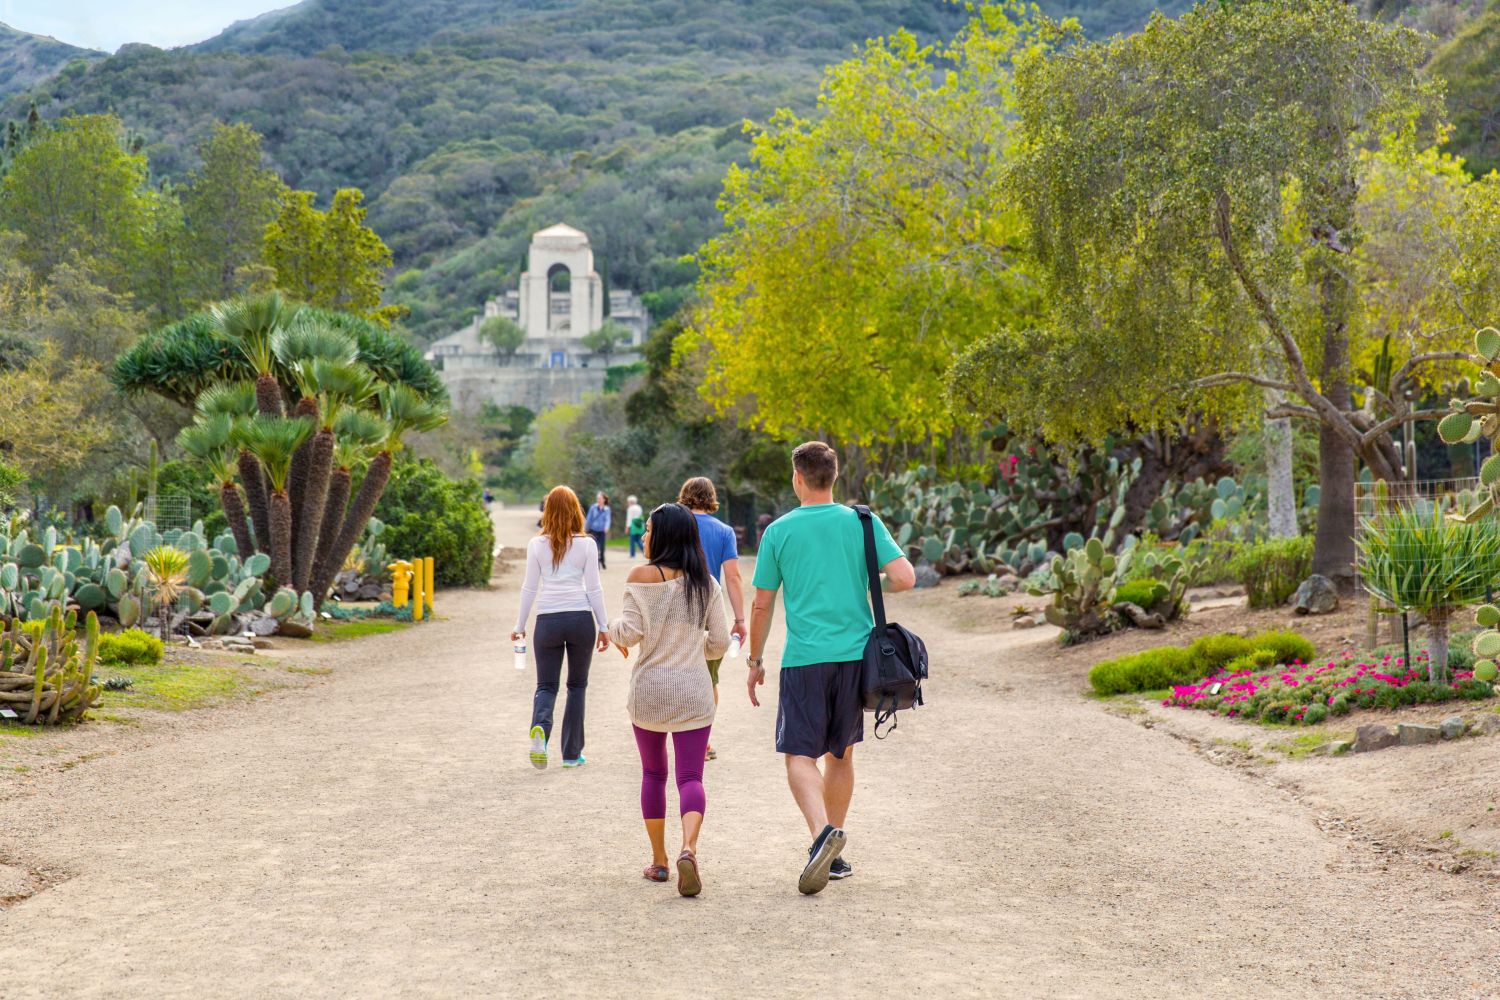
x,y
210,442
167,568
1413,558
274,440
251,324
404,411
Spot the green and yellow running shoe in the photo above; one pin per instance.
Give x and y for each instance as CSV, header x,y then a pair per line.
x,y
538,748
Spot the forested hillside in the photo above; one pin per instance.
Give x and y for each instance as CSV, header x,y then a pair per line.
x,y
468,123
27,59
1470,63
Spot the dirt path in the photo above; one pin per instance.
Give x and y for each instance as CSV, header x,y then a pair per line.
x,y
381,834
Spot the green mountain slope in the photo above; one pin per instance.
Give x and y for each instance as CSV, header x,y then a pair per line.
x,y
26,59
469,123
1470,63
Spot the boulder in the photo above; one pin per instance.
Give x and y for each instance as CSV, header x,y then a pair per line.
x,y
1373,736
927,576
1027,621
295,629
265,625
1316,595
1139,616
1413,735
1453,727
1487,724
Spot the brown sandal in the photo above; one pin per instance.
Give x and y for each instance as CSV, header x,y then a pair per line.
x,y
688,881
656,873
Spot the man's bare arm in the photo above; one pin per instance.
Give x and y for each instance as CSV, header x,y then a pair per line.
x,y
762,611
736,590
900,574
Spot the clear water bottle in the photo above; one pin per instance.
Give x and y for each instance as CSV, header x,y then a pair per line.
x,y
520,648
734,648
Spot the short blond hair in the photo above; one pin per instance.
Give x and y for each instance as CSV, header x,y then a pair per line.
x,y
698,493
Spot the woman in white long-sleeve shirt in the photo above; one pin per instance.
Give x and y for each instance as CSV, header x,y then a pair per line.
x,y
562,582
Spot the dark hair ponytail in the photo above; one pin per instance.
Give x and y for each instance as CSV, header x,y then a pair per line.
x,y
675,545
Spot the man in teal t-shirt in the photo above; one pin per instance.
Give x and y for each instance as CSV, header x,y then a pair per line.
x,y
815,555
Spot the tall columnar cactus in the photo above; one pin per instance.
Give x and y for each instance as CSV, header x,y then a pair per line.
x,y
45,675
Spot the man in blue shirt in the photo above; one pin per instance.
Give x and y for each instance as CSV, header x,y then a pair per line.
x,y
596,523
719,548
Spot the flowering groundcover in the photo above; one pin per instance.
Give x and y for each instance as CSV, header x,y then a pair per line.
x,y
1300,693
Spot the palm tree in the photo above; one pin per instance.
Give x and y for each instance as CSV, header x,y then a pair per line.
x,y
340,388
209,441
274,440
237,401
405,411
251,324
356,433
309,337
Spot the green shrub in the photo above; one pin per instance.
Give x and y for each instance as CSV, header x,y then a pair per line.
x,y
1145,671
131,648
1145,592
1288,647
1258,660
1212,653
1314,714
1168,666
1271,570
428,514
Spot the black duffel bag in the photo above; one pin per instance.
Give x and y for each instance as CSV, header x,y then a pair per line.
x,y
895,662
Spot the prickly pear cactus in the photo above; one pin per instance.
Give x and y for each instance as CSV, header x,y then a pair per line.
x,y
1082,585
1479,417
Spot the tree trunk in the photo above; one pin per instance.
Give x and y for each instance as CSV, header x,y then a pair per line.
x,y
1281,487
281,538
355,521
307,407
1437,645
268,395
1331,205
255,495
339,485
314,498
234,513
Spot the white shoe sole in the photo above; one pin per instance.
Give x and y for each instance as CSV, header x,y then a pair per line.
x,y
539,748
815,876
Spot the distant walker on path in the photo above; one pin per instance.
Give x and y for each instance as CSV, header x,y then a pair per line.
x,y
815,554
722,552
562,581
597,523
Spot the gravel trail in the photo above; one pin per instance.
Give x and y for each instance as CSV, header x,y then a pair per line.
x,y
381,834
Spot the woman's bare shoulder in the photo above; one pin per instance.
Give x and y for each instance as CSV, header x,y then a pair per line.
x,y
645,573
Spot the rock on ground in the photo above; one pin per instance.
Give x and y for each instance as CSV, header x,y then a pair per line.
x,y
1316,595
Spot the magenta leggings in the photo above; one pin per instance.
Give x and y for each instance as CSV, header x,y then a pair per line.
x,y
690,747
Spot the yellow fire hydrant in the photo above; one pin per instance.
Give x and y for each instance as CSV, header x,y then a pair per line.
x,y
400,582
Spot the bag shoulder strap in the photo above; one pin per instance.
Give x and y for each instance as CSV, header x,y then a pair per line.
x,y
872,568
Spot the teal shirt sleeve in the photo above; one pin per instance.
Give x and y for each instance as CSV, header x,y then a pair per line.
x,y
767,572
886,548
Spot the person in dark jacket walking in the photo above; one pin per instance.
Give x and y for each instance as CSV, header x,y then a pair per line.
x,y
597,523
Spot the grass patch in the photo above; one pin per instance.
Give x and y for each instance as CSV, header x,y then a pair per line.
x,y
356,629
178,687
13,731
1302,744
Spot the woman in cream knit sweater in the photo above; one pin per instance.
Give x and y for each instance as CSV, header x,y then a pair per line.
x,y
674,611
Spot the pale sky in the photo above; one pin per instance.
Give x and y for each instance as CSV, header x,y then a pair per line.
x,y
108,24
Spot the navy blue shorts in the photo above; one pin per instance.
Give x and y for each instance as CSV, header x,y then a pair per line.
x,y
821,709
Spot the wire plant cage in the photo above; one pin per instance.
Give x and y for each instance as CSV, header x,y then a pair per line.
x,y
1418,553
169,511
